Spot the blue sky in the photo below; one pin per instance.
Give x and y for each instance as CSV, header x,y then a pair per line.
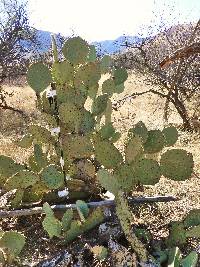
x,y
97,20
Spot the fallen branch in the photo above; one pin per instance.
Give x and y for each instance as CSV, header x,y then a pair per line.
x,y
104,203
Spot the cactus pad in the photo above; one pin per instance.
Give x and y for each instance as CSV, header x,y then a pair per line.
x,y
125,177
22,179
16,201
120,76
147,171
100,252
99,105
177,235
89,74
105,64
107,154
52,177
171,135
87,122
194,232
107,131
92,54
41,134
191,260
76,50
62,72
155,142
77,146
26,141
39,77
108,87
108,181
82,209
67,219
8,167
141,130
177,164
52,226
68,113
13,241
193,218
47,209
133,148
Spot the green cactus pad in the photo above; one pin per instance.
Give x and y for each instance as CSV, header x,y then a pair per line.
x,y
108,87
33,165
107,131
52,226
125,177
87,123
99,105
62,72
177,164
41,134
106,62
107,154
141,130
92,91
26,141
89,74
194,232
13,242
77,146
75,230
155,142
82,209
47,210
92,54
119,88
193,218
120,76
16,201
108,181
21,180
171,135
191,260
52,177
94,219
39,157
177,235
38,77
67,219
133,148
76,50
68,113
8,167
147,171
174,257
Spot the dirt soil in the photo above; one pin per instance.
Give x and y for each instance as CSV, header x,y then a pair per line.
x,y
147,108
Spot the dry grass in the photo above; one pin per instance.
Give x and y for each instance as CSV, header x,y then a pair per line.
x,y
149,109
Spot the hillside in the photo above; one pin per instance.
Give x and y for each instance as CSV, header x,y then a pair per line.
x,y
102,47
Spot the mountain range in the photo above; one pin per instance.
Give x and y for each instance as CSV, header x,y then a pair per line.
x,y
102,47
